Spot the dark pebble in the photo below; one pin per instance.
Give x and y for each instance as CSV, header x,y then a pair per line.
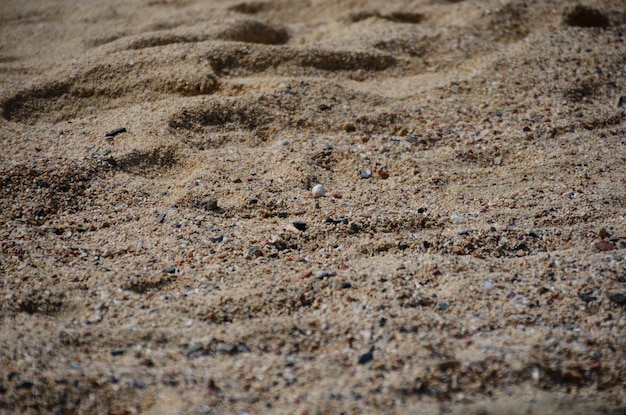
x,y
140,383
301,226
195,349
217,239
336,221
115,132
622,101
526,129
382,322
422,210
543,290
443,306
325,274
255,251
510,295
618,298
403,245
464,232
161,218
243,348
209,204
169,270
413,139
346,285
366,357
448,364
117,352
226,348
587,298
26,385
169,381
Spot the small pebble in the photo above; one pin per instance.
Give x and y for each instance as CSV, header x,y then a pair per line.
x,y
318,190
587,298
489,285
161,218
325,274
366,174
383,174
604,246
117,352
115,132
366,357
301,226
457,219
618,298
226,348
255,251
336,221
209,204
169,269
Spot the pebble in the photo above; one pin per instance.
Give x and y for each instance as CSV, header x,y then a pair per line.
x,y
604,246
301,226
366,357
209,204
115,132
169,269
325,274
489,285
457,219
366,174
117,352
383,174
587,298
195,349
255,251
336,221
618,298
161,218
318,190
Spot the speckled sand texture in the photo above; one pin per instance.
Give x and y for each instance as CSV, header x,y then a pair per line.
x,y
467,257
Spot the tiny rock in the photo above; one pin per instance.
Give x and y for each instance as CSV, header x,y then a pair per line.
x,y
254,251
604,246
457,219
318,190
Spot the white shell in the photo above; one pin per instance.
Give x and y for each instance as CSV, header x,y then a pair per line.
x,y
318,190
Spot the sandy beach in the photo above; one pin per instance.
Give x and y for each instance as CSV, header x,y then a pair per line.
x,y
312,207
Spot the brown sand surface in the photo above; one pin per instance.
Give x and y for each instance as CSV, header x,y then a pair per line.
x,y
468,255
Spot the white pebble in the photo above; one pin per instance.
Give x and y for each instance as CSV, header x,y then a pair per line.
x,y
489,285
318,190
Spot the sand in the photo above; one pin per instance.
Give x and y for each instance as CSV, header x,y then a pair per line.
x,y
468,255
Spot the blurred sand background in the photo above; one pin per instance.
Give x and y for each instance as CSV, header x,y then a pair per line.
x,y
467,257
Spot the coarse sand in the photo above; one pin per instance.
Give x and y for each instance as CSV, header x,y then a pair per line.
x,y
162,251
